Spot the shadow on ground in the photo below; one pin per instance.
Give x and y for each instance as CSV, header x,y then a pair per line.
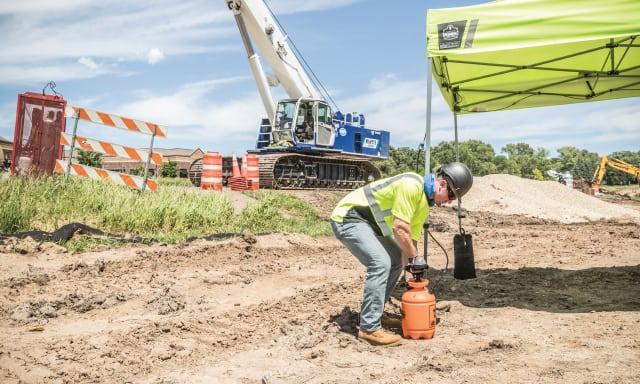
x,y
545,289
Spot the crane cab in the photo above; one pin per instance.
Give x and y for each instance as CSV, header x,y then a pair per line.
x,y
303,122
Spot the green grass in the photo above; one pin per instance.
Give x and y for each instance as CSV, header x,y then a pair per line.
x,y
276,211
174,182
172,214
616,188
613,189
86,243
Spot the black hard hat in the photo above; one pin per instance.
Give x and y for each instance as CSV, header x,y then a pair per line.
x,y
458,177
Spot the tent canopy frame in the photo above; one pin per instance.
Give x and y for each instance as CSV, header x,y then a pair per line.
x,y
586,74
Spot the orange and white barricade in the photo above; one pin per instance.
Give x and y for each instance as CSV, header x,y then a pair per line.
x,y
111,149
103,174
211,171
252,171
88,144
115,121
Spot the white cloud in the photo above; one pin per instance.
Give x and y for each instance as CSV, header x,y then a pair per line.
x,y
37,6
399,106
295,6
7,120
37,74
88,62
154,56
42,35
109,32
190,114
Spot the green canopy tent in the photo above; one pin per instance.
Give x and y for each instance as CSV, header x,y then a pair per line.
x,y
532,53
511,54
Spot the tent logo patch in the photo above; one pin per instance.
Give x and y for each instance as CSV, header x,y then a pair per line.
x,y
450,34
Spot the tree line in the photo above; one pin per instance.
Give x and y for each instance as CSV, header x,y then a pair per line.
x,y
519,159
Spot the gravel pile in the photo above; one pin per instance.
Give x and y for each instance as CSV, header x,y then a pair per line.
x,y
508,194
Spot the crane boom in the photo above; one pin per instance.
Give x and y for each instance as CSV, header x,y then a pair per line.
x,y
304,144
258,26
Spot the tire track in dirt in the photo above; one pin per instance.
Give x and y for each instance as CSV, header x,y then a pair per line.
x,y
210,282
296,321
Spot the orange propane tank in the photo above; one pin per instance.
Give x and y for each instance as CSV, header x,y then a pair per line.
x,y
418,311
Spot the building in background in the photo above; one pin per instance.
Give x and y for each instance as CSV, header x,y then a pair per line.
x,y
6,148
183,157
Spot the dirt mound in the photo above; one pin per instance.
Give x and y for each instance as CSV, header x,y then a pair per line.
x,y
550,200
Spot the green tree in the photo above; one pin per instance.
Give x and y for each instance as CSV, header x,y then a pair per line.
x,y
616,177
138,171
538,175
507,165
442,153
527,159
580,162
169,169
477,155
90,158
402,159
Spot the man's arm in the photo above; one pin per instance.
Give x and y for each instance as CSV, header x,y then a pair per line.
x,y
402,234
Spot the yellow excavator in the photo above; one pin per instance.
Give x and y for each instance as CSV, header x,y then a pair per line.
x,y
620,165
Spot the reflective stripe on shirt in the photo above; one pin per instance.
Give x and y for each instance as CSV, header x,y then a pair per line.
x,y
378,214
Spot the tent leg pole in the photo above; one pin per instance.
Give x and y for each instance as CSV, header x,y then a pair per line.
x,y
427,153
455,128
427,135
457,149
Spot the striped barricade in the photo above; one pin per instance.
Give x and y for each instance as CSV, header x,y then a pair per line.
x,y
115,121
111,149
131,181
111,120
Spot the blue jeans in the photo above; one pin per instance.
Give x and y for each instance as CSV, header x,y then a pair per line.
x,y
383,259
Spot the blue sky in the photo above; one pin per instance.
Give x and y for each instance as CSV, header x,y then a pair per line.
x,y
182,64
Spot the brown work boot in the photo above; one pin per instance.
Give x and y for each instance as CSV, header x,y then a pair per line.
x,y
379,337
390,321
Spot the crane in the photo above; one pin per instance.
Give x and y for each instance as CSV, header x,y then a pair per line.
x,y
620,165
302,143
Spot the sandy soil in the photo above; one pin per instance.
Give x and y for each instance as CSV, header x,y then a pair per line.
x,y
552,303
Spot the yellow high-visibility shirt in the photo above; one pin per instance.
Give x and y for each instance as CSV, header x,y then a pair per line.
x,y
400,196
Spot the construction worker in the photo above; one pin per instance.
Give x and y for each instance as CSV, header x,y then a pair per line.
x,y
381,223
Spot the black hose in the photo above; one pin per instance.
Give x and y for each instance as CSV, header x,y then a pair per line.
x,y
446,266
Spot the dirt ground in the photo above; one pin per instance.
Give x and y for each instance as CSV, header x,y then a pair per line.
x,y
552,303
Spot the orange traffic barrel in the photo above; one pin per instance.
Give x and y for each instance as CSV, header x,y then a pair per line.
x,y
418,311
237,182
211,171
235,166
252,173
243,166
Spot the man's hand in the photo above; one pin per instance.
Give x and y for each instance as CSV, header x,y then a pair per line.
x,y
402,234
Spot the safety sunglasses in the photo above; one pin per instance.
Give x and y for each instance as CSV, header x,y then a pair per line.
x,y
450,192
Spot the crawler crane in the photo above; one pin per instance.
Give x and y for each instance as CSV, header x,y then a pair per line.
x,y
302,144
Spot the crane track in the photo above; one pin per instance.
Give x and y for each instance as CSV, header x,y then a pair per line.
x,y
300,171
